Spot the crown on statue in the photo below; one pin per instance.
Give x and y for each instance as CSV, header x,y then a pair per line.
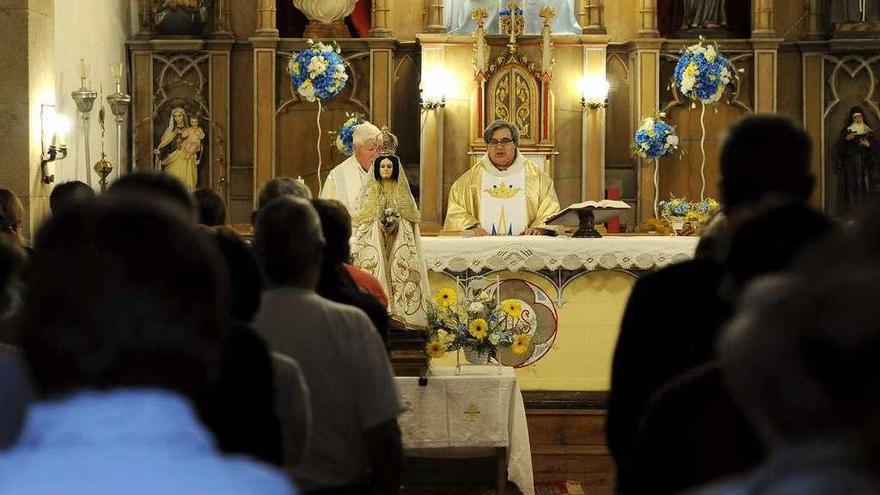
x,y
386,142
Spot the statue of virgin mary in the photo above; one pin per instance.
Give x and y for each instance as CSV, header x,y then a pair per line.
x,y
180,151
386,241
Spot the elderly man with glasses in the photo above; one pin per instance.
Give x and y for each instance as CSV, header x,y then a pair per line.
x,y
504,193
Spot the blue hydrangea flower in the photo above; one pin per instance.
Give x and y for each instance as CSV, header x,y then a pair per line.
x,y
506,11
655,138
345,136
318,72
702,73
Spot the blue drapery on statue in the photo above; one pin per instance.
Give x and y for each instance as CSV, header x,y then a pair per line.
x,y
457,15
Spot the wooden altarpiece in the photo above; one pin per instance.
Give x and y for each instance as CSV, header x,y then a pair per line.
x,y
513,88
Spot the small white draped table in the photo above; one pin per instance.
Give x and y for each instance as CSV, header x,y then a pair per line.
x,y
471,413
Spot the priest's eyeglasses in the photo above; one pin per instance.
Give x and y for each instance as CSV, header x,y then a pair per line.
x,y
503,142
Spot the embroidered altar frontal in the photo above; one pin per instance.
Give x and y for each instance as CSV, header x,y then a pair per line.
x,y
573,293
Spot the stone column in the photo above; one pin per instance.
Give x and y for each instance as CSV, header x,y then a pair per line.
x,y
646,101
814,22
766,63
380,27
145,30
431,148
593,134
814,108
648,18
265,42
593,17
223,27
266,23
434,11
27,28
762,20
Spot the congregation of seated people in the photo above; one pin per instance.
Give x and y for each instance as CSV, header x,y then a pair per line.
x,y
146,348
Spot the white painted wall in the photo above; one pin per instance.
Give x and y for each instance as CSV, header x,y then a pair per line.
x,y
94,30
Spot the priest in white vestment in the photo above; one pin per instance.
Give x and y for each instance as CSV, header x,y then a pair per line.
x,y
504,193
345,182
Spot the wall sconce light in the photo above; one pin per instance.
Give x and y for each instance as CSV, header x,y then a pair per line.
x,y
594,92
432,102
435,86
53,130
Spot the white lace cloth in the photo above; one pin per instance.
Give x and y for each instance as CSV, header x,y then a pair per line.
x,y
461,415
457,254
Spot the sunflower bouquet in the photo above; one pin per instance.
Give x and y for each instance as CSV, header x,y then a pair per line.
x,y
479,323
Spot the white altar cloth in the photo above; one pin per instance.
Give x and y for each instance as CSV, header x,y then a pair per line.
x,y
534,253
482,407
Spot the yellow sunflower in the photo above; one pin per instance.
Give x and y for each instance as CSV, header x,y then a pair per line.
x,y
479,329
445,297
520,345
435,349
512,307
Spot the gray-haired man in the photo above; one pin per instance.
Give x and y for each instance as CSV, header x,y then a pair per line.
x,y
504,193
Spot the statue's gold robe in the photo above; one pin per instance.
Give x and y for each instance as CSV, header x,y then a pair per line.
x,y
464,198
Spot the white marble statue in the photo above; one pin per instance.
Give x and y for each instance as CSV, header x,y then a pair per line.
x,y
457,15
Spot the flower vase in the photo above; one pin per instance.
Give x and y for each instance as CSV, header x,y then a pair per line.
x,y
476,356
677,224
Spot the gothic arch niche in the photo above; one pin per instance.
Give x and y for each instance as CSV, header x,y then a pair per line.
x,y
850,80
406,118
295,120
621,170
681,176
515,90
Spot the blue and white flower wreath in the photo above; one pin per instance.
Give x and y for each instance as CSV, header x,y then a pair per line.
x,y
703,73
655,138
318,72
345,136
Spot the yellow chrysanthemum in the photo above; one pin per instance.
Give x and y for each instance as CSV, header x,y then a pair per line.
x,y
691,69
435,349
479,329
446,298
512,307
520,345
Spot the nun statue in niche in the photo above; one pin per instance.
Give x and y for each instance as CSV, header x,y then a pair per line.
x,y
857,161
385,236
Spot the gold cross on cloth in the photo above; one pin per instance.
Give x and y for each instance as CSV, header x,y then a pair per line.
x,y
472,412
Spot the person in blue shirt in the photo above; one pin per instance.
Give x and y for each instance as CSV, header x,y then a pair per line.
x,y
122,325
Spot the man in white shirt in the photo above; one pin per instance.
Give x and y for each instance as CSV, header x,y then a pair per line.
x,y
346,179
355,443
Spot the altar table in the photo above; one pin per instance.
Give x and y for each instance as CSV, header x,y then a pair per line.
x,y
535,253
578,288
466,413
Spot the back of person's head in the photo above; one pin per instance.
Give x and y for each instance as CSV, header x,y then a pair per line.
x,y
123,293
245,281
212,210
801,355
288,242
336,226
11,213
282,186
763,156
155,185
12,262
769,238
68,195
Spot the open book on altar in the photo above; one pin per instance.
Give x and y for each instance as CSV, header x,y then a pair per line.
x,y
602,212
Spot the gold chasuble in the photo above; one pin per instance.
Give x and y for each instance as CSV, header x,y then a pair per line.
x,y
467,194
